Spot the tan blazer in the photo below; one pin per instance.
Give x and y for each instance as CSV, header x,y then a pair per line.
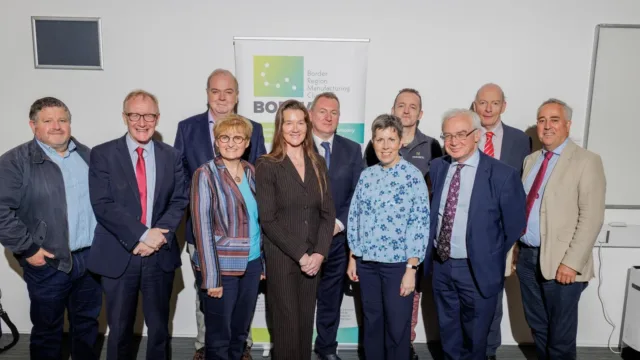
x,y
571,213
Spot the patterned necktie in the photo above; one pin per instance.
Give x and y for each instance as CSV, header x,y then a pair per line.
x,y
537,182
141,177
444,240
488,145
327,152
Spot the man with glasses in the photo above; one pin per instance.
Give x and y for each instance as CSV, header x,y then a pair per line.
x,y
477,214
509,145
195,142
138,194
47,222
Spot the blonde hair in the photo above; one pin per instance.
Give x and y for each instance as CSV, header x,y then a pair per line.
x,y
144,94
233,122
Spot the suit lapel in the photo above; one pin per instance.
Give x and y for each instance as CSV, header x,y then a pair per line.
x,y
439,180
506,148
160,164
561,166
528,164
288,166
127,166
202,133
479,191
336,149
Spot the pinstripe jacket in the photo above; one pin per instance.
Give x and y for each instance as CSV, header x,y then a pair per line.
x,y
220,222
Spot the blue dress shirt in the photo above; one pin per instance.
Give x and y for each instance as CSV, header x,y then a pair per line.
x,y
75,174
467,179
389,214
149,156
532,235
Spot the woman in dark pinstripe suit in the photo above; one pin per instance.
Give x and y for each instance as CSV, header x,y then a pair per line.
x,y
297,217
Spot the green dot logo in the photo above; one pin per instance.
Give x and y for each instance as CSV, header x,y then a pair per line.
x,y
278,76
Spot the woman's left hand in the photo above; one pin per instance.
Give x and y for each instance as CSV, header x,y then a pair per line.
x,y
408,284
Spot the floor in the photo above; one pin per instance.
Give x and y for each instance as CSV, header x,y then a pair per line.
x,y
182,349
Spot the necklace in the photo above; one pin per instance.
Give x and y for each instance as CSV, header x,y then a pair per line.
x,y
236,178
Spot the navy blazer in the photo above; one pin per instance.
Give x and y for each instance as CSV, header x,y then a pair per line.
x,y
516,145
496,218
194,143
344,173
116,203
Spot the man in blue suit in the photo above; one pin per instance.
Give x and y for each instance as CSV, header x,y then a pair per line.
x,y
195,142
344,160
477,214
138,194
509,145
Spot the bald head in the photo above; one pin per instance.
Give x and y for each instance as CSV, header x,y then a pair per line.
x,y
489,105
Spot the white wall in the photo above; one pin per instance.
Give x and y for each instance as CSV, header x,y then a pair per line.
x,y
445,49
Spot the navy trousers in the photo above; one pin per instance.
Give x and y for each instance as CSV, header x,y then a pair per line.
x,y
142,275
228,319
51,292
387,315
464,315
330,294
495,337
551,308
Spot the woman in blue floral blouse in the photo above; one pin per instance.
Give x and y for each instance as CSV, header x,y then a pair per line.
x,y
387,231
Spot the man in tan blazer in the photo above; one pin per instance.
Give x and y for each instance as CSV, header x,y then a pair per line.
x,y
565,187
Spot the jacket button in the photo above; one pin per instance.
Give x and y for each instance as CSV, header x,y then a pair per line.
x,y
41,237
305,222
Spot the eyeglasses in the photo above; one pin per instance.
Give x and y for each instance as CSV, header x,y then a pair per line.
x,y
147,117
461,136
236,139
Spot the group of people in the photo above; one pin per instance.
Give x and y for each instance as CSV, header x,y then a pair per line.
x,y
82,222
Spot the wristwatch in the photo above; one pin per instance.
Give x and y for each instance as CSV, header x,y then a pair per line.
x,y
414,267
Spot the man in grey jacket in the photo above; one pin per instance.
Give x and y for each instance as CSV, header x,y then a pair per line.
x,y
47,222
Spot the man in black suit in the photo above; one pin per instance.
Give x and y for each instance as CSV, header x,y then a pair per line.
x,y
508,145
344,161
137,190
194,140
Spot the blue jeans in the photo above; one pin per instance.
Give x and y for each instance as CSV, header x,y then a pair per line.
x,y
228,319
51,292
551,309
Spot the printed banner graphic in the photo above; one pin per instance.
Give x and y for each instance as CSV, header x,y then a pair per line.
x,y
271,71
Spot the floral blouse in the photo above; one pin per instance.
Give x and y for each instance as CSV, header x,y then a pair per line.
x,y
389,214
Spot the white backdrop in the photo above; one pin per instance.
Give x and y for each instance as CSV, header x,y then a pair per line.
x,y
444,49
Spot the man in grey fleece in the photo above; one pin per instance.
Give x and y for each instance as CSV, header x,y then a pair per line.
x,y
418,149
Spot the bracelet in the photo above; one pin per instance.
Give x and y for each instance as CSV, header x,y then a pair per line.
x,y
414,267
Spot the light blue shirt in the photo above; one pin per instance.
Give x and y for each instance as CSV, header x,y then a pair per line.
x,y
149,156
252,209
467,179
389,214
75,174
532,235
213,139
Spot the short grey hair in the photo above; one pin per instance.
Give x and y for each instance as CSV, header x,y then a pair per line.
x,y
568,111
222,72
386,121
475,118
46,102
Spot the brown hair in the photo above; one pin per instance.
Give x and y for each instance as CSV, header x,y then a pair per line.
x,y
279,148
233,122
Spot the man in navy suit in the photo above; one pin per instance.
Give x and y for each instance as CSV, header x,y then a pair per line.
x,y
344,160
509,145
477,214
195,142
138,194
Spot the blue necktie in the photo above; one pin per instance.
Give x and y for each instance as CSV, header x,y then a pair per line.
x,y
327,152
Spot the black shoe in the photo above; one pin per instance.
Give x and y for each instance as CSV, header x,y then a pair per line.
x,y
413,355
492,357
328,357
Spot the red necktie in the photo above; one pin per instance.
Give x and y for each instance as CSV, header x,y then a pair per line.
x,y
141,177
537,182
488,146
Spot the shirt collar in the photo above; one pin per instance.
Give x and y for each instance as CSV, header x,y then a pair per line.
x,y
559,149
210,116
132,145
472,161
51,151
497,131
319,141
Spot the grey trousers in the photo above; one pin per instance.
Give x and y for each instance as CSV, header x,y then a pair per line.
x,y
199,343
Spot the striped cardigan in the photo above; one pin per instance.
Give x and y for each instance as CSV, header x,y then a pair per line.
x,y
220,222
